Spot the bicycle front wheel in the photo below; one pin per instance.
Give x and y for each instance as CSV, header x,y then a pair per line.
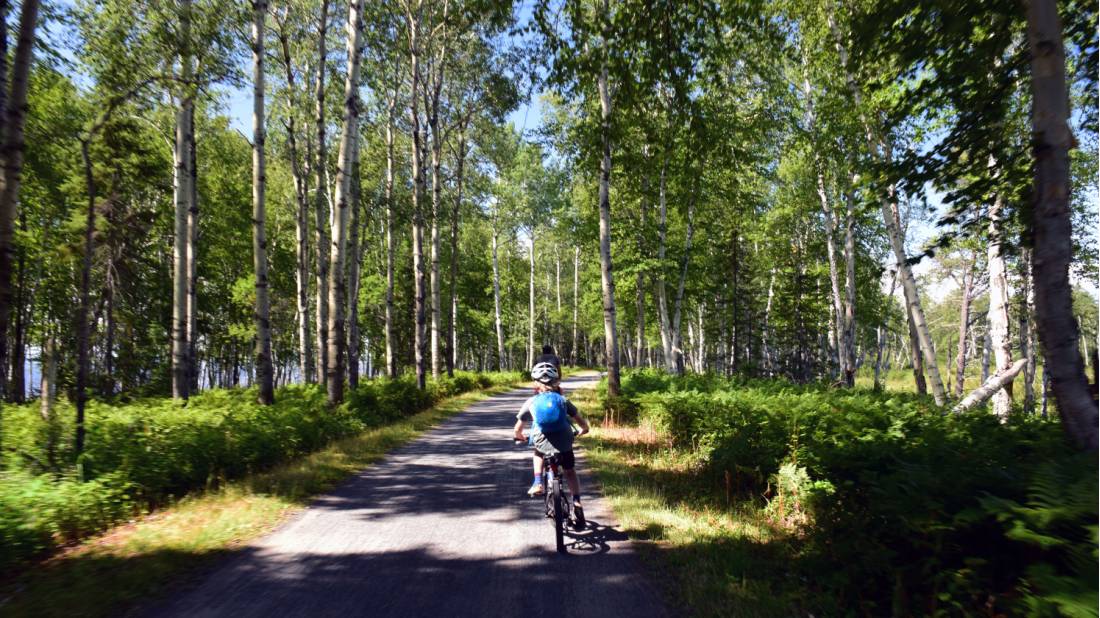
x,y
559,516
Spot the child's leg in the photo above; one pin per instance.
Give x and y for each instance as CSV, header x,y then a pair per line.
x,y
536,465
574,484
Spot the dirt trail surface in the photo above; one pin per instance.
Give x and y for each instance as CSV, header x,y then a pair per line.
x,y
440,527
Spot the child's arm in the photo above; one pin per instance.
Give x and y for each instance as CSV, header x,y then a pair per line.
x,y
572,410
524,413
582,422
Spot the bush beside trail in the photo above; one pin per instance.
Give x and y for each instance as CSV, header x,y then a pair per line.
x,y
894,507
145,453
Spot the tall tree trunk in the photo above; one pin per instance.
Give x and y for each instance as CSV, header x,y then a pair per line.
x,y
836,313
391,358
4,8
677,352
576,298
964,321
436,73
355,252
14,109
181,372
419,343
16,390
639,281
1051,140
192,257
108,383
912,299
456,212
48,384
264,370
1027,328
735,282
849,321
916,358
765,331
337,279
437,188
320,202
82,325
660,286
893,230
301,192
998,310
611,331
531,301
496,305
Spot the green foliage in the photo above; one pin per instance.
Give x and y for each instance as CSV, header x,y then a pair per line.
x,y
144,453
899,507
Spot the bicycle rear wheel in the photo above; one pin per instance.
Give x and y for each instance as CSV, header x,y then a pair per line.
x,y
560,516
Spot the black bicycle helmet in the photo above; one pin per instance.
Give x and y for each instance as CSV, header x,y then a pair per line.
x,y
544,373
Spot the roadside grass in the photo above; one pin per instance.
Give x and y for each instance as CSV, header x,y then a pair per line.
x,y
716,552
109,573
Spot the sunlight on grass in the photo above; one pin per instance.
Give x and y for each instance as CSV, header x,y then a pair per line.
x,y
715,557
106,574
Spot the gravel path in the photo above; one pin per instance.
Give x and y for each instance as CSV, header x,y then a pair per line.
x,y
441,527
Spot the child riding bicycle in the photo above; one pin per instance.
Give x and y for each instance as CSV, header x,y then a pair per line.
x,y
551,431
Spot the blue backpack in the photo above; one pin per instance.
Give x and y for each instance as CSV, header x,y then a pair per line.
x,y
549,412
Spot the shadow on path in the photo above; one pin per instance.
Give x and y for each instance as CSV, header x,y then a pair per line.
x,y
440,527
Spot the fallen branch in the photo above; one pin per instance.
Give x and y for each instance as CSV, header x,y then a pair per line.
x,y
995,383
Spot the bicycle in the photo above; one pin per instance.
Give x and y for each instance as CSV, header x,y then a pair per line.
x,y
557,498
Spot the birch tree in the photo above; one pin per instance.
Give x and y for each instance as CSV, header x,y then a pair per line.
x,y
321,235
337,280
264,371
181,370
1051,225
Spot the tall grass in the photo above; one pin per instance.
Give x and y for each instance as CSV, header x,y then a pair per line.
x,y
887,505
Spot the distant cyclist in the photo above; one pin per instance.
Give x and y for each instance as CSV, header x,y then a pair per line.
x,y
551,432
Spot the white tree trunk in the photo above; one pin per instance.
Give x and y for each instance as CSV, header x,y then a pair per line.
x,y
663,322
994,384
848,353
419,282
1027,328
677,352
576,298
391,358
765,331
998,310
301,190
1052,226
437,187
193,260
180,356
337,279
611,331
893,231
496,306
48,384
531,302
264,371
320,201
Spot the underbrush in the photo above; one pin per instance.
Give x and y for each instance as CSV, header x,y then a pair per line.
x,y
145,453
888,505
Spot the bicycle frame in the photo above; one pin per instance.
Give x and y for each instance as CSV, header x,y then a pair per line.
x,y
558,500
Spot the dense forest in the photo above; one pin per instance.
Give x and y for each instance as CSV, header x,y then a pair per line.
x,y
199,195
